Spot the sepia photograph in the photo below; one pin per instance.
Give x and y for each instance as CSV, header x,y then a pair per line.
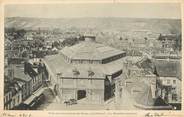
x,y
92,56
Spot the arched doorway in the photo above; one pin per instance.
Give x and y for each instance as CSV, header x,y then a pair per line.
x,y
109,89
81,94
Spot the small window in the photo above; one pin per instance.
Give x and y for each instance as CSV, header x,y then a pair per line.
x,y
18,98
174,97
168,81
13,102
174,81
7,98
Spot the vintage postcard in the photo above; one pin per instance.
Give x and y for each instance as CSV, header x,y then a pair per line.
x,y
91,58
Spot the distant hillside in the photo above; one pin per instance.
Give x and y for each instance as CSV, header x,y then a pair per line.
x,y
120,24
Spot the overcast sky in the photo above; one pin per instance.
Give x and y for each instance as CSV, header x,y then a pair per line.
x,y
138,10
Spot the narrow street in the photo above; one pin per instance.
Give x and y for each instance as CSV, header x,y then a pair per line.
x,y
126,102
48,98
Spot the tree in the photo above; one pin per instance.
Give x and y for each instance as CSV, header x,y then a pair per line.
x,y
55,44
160,37
24,54
21,33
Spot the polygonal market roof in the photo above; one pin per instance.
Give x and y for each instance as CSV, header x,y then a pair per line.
x,y
90,50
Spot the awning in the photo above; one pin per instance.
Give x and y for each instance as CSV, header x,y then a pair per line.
x,y
36,94
39,92
29,100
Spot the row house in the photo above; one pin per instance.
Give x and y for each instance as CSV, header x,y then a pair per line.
x,y
169,74
26,80
167,55
12,94
141,83
37,76
168,40
35,71
19,75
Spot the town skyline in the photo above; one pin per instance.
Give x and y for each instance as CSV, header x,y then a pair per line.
x,y
136,10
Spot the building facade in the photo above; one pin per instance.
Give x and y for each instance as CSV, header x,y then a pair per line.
x,y
169,74
87,71
171,89
12,95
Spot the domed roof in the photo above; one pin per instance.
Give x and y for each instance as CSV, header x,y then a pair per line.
x,y
90,50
